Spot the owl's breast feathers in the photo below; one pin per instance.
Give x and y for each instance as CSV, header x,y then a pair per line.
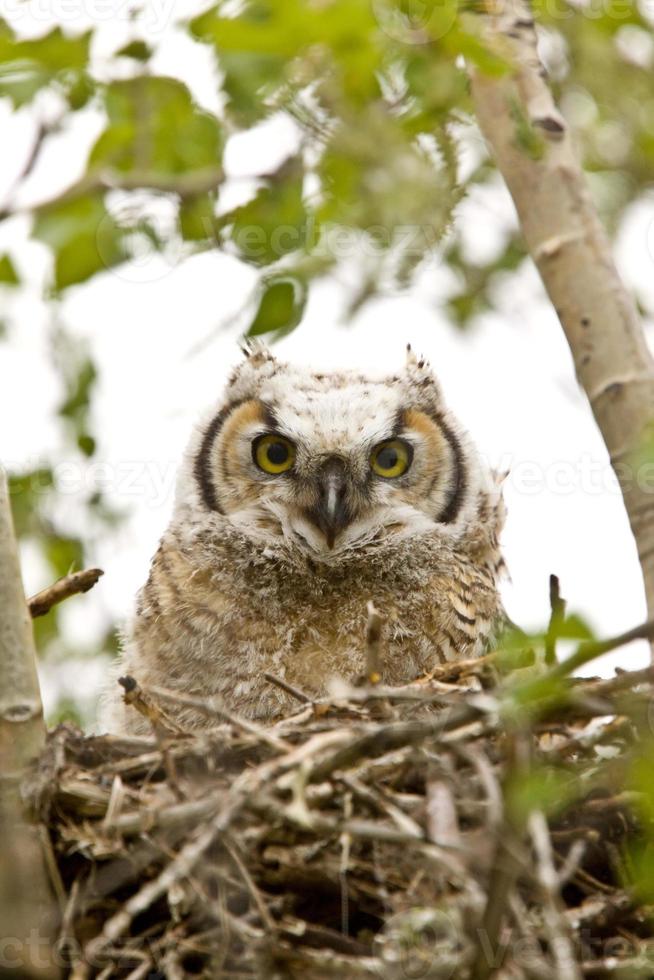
x,y
218,611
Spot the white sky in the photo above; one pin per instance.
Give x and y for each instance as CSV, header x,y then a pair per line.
x,y
509,378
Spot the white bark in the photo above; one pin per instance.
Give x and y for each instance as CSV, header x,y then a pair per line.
x,y
25,898
22,730
534,152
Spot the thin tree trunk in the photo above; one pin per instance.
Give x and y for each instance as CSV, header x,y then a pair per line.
x,y
25,898
534,152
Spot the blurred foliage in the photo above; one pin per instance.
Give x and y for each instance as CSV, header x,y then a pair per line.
x,y
58,511
379,97
8,274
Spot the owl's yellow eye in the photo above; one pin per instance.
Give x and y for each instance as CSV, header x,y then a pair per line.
x,y
273,454
391,459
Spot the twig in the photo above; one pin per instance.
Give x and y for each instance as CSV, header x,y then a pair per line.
x,y
571,862
140,700
385,738
624,680
593,649
43,130
167,817
374,798
63,588
442,822
295,692
214,708
232,849
555,922
557,616
179,868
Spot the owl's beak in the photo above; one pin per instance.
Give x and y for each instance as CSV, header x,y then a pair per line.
x,y
331,514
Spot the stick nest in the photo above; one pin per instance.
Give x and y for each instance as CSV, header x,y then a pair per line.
x,y
452,828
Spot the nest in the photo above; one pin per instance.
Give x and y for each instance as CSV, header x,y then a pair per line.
x,y
455,827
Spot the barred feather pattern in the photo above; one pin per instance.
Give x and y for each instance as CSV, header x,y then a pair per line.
x,y
242,585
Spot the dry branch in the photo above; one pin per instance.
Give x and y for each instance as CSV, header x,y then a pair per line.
x,y
63,588
571,250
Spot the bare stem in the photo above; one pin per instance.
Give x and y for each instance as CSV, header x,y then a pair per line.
x,y
63,588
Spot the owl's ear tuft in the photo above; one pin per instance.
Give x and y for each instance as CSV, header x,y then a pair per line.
x,y
257,365
419,377
255,351
415,363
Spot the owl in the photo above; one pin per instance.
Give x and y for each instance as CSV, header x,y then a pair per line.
x,y
303,495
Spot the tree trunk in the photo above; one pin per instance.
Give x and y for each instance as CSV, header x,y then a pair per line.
x,y
534,152
25,898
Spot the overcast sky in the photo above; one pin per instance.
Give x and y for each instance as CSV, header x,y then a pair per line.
x,y
155,329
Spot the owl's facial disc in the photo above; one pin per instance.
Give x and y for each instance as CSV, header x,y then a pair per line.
x,y
333,467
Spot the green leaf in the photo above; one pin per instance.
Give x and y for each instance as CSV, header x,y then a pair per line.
x,y
250,81
337,44
261,28
402,195
575,628
197,217
86,444
155,129
83,236
8,274
138,50
640,781
79,391
78,89
280,307
27,66
52,52
274,222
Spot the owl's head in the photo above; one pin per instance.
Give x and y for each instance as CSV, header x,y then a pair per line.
x,y
329,463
